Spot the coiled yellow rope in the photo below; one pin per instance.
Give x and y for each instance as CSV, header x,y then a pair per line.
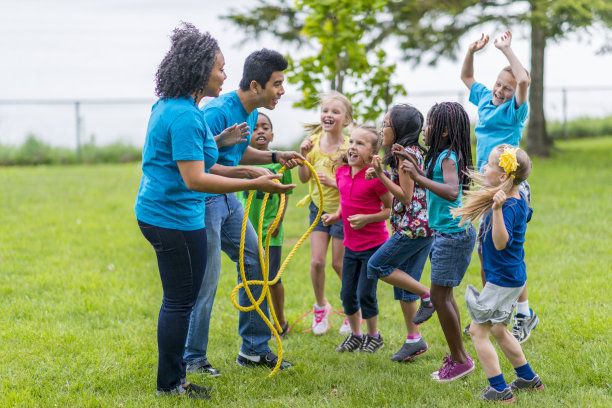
x,y
263,258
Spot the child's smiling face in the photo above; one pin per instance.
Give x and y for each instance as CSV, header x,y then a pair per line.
x,y
333,116
504,88
360,148
262,134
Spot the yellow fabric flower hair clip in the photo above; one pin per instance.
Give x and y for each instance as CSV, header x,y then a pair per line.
x,y
507,160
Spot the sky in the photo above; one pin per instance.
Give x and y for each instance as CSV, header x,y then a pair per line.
x,y
110,49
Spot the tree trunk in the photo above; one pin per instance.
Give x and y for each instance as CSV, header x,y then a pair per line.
x,y
538,142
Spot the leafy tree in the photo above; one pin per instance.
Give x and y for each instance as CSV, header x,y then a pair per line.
x,y
428,29
347,57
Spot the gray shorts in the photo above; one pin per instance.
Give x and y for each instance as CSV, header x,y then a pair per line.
x,y
495,304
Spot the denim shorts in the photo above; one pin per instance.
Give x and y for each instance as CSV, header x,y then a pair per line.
x,y
336,230
450,256
403,253
274,262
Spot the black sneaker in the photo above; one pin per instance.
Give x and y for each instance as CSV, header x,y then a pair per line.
x,y
426,310
466,329
371,344
410,350
491,394
522,384
190,391
203,367
267,360
523,325
351,343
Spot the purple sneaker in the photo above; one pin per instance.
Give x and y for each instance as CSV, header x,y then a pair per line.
x,y
453,370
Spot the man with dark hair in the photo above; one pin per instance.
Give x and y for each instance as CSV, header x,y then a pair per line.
x,y
261,86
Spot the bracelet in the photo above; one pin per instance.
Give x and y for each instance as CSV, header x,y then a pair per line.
x,y
274,157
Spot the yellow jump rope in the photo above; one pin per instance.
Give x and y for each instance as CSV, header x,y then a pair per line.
x,y
263,259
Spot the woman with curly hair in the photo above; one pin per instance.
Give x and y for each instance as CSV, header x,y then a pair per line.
x,y
179,149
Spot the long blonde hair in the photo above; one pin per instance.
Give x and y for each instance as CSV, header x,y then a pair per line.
x,y
479,201
316,127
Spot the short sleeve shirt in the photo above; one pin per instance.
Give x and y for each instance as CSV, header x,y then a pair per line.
x,y
411,221
271,205
496,124
323,162
176,131
361,196
440,218
506,268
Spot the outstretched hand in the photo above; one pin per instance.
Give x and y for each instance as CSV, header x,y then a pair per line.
x,y
233,135
290,159
479,44
268,185
504,41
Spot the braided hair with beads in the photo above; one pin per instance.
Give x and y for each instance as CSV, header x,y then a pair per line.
x,y
450,120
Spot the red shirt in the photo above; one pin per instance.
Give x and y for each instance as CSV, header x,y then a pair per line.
x,y
361,196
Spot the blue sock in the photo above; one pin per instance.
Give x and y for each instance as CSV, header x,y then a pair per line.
x,y
525,372
498,382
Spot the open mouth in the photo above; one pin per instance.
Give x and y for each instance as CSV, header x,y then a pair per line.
x,y
352,156
261,139
329,122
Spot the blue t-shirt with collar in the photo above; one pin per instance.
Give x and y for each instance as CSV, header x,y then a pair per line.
x,y
496,124
176,131
223,112
438,209
506,268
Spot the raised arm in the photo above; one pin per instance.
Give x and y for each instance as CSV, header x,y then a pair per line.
x,y
498,229
467,71
448,190
404,191
520,73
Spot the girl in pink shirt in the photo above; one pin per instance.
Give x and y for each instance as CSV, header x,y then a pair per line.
x,y
364,207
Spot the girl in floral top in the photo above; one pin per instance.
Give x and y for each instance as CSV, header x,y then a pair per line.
x,y
401,259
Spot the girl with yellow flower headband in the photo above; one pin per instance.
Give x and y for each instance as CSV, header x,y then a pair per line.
x,y
506,213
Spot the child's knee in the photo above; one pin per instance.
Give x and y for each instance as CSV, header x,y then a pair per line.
x,y
499,331
317,264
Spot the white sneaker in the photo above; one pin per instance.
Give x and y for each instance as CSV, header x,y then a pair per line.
x,y
346,327
320,321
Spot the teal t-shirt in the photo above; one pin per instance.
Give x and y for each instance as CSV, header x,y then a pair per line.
x,y
271,205
440,218
176,131
496,124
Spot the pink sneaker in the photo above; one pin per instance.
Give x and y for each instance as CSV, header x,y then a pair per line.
x,y
320,321
453,370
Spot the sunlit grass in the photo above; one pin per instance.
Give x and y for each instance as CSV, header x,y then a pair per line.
x,y
80,293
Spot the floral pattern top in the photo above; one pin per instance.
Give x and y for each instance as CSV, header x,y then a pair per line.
x,y
411,221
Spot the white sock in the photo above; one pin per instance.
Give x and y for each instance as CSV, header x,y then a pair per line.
x,y
413,338
319,308
523,308
252,358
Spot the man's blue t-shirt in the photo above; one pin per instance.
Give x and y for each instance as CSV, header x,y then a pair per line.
x,y
223,112
438,209
176,131
496,124
506,268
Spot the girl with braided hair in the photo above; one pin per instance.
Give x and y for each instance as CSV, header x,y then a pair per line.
x,y
447,132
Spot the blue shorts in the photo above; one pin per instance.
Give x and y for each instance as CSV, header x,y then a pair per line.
x,y
274,262
336,230
450,256
403,253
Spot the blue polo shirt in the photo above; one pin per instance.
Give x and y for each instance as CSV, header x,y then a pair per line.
x,y
438,209
496,124
176,131
506,268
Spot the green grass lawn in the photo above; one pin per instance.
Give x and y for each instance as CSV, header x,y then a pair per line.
x,y
80,293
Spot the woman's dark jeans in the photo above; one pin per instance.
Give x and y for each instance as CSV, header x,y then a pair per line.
x,y
181,258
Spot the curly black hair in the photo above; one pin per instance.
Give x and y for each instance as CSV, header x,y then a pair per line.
x,y
187,66
260,65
